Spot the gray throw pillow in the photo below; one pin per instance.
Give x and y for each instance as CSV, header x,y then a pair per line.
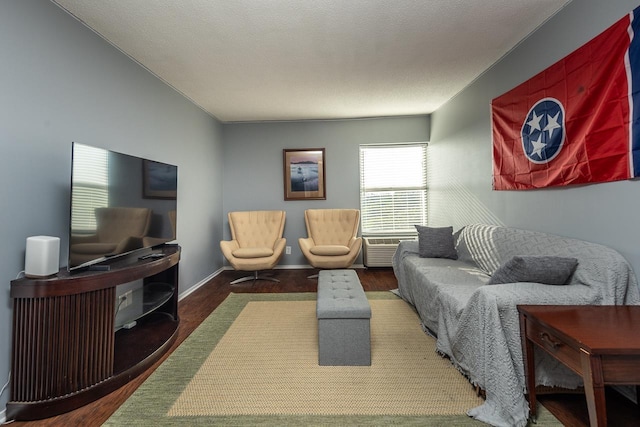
x,y
436,242
549,270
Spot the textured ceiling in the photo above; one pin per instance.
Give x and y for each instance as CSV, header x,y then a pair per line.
x,y
254,60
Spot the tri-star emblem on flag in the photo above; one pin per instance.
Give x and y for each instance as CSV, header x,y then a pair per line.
x,y
576,122
543,131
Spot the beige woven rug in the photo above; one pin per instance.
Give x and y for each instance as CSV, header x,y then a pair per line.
x,y
267,363
230,364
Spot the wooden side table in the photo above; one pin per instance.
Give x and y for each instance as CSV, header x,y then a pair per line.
x,y
599,343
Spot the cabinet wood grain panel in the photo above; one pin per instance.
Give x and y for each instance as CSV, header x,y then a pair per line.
x,y
65,347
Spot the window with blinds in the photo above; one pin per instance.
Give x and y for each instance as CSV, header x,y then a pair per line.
x,y
393,188
90,186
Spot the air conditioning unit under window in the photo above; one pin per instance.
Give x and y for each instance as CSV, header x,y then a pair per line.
x,y
378,251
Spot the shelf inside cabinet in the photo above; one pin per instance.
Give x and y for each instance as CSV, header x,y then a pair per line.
x,y
153,295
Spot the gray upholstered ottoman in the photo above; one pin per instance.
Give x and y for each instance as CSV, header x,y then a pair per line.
x,y
344,337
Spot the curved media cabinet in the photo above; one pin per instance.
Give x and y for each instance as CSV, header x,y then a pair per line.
x,y
68,349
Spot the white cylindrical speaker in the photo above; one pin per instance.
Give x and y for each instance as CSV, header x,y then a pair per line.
x,y
42,257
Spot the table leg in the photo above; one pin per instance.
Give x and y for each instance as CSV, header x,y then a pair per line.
x,y
530,374
594,389
529,367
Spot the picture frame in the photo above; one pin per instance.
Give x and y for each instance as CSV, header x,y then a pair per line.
x,y
158,180
304,174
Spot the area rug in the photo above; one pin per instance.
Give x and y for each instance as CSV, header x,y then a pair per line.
x,y
254,361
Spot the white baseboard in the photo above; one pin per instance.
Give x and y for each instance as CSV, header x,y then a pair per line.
x,y
195,287
3,416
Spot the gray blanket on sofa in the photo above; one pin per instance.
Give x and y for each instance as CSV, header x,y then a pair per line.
x,y
477,326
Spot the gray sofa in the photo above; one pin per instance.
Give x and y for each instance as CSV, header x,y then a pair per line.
x,y
476,323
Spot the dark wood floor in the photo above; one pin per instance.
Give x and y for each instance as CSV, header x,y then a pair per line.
x,y
568,408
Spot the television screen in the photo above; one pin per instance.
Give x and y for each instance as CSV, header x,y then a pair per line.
x,y
119,204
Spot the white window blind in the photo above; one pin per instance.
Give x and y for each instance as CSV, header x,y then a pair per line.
x,y
90,186
393,188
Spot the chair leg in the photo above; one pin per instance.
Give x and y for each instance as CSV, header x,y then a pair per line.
x,y
244,279
254,277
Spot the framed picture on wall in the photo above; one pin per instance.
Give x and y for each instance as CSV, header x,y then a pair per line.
x,y
159,180
304,174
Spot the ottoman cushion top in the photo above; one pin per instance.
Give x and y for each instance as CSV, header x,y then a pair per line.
x,y
340,296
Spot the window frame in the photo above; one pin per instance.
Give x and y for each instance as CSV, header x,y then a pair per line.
x,y
415,192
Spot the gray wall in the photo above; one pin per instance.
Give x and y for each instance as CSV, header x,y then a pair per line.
x,y
460,149
253,165
59,83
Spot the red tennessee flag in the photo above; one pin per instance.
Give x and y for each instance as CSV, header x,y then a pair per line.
x,y
574,122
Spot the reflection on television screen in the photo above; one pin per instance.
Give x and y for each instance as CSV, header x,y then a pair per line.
x,y
119,204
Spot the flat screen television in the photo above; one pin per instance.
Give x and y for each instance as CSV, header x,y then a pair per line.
x,y
119,204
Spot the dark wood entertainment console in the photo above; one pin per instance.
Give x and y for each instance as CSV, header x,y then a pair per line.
x,y
67,349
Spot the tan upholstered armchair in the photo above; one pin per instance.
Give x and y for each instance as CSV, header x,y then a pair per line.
x,y
256,242
332,240
118,230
